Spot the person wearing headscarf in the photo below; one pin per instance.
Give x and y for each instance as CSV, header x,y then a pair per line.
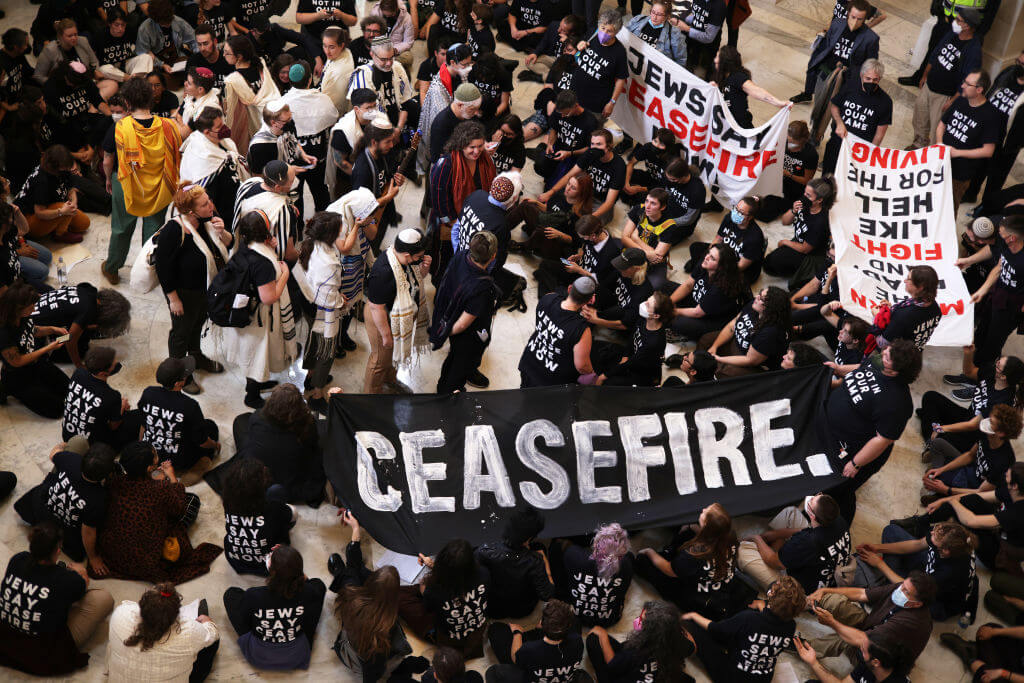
x,y
313,114
398,313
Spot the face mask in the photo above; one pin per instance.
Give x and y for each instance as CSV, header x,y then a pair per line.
x,y
117,117
267,560
289,127
416,262
736,216
116,369
899,598
1018,71
638,623
644,313
793,147
603,37
870,88
986,426
653,25
807,503
458,70
957,28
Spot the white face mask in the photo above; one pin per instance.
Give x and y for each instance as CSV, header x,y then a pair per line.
x,y
807,504
986,426
957,27
117,117
644,313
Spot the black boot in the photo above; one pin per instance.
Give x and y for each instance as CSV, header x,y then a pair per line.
x,y
964,649
252,394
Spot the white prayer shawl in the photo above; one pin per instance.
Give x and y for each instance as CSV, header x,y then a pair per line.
x,y
268,343
335,78
321,284
243,108
312,111
201,159
363,78
277,207
191,107
353,132
409,320
211,263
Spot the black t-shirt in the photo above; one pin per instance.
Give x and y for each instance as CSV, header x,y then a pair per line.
x,y
35,598
218,17
173,424
797,162
607,175
914,322
66,306
384,86
479,214
91,405
448,20
651,156
381,287
1006,97
573,132
427,70
684,196
812,555
22,337
459,616
166,105
596,601
598,261
248,538
990,463
770,341
480,42
866,403
491,89
220,67
548,357
848,356
316,29
1011,273
811,228
18,73
648,353
10,263
530,13
986,395
953,576
863,113
247,9
279,620
1010,516
843,48
68,102
970,127
736,97
754,639
599,67
68,498
544,662
628,297
441,129
748,243
650,34
633,666
841,10
253,76
951,60
712,299
701,582
112,50
477,298
42,189
508,155
862,673
707,13
360,50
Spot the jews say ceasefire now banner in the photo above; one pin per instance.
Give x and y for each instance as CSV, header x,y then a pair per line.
x,y
661,94
418,471
894,210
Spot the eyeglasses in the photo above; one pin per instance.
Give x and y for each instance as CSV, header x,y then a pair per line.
x,y
973,85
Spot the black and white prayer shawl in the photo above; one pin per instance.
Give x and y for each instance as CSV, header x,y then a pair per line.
x,y
353,132
202,160
284,220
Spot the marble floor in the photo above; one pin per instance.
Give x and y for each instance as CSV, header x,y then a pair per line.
x,y
775,44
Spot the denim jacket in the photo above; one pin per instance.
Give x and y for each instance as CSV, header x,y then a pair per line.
x,y
151,38
671,42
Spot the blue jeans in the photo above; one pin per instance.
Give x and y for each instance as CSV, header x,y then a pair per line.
x,y
36,270
902,564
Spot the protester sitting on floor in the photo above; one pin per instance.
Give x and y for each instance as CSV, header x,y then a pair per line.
x,y
519,564
29,374
256,517
607,563
879,661
268,635
550,653
658,643
994,656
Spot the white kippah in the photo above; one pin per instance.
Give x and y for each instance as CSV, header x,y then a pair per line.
x,y
274,106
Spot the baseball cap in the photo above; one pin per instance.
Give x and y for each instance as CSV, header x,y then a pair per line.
x,y
174,370
629,258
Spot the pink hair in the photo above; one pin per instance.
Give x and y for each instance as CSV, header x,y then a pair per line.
x,y
610,543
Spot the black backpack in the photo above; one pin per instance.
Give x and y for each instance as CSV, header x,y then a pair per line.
x,y
231,281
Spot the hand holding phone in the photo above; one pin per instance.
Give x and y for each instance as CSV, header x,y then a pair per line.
x,y
63,338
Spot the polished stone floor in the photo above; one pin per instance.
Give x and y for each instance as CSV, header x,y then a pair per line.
x,y
775,43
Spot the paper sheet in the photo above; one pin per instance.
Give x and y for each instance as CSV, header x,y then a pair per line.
x,y
190,611
179,66
408,566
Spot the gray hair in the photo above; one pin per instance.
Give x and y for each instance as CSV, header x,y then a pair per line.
x,y
381,46
872,65
610,16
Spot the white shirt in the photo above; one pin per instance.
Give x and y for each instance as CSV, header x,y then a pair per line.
x,y
169,659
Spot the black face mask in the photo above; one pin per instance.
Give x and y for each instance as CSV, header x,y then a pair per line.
x,y
870,88
416,262
1018,71
116,369
289,127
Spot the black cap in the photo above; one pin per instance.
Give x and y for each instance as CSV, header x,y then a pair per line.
x,y
275,172
629,258
971,16
174,370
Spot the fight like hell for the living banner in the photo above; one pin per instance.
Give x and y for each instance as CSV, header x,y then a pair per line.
x,y
418,471
894,210
661,94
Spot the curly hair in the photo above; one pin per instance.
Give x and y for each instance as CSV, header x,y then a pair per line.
x,y
716,541
660,638
786,598
906,360
286,409
245,487
776,310
464,135
610,545
158,612
954,538
113,314
727,275
1010,420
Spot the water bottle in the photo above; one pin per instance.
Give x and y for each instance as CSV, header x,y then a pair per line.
x,y
962,624
62,272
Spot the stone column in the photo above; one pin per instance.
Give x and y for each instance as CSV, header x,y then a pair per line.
x,y
1005,39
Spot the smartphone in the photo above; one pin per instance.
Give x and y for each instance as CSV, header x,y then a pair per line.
x,y
817,605
63,338
567,262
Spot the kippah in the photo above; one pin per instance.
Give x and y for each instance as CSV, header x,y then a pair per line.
x,y
467,92
78,67
296,73
204,72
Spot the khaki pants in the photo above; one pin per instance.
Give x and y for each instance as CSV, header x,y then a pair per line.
x,y
380,367
76,222
927,112
405,59
846,612
749,559
86,615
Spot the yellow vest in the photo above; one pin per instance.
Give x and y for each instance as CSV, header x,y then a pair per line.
x,y
951,6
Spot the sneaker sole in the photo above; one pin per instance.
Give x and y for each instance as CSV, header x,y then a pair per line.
x,y
961,400
965,385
